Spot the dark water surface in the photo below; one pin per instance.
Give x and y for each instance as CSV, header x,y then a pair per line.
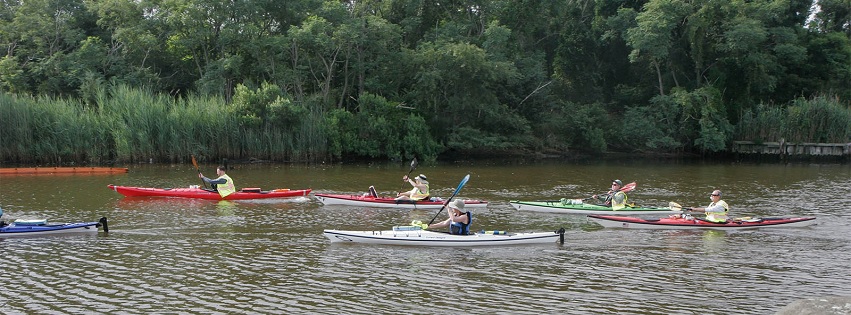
x,y
181,256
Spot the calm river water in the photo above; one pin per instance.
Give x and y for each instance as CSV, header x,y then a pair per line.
x,y
181,256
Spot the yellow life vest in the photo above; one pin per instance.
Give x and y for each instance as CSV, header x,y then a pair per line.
x,y
416,194
618,204
226,188
714,213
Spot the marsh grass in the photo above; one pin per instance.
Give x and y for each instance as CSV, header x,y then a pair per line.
x,y
820,119
133,125
120,124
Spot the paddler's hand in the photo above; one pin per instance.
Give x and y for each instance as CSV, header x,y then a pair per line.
x,y
405,178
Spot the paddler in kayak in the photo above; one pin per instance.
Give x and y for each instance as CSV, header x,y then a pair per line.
x,y
420,190
223,185
615,197
459,222
717,210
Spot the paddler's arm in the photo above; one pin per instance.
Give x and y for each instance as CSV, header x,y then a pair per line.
x,y
440,224
718,207
458,218
217,181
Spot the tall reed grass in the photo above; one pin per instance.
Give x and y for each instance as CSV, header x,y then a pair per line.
x,y
819,119
133,125
50,130
121,124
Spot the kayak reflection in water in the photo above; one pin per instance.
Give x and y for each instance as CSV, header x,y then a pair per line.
x,y
420,190
459,222
224,184
615,197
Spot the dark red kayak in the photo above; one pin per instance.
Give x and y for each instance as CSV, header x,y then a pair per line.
x,y
677,222
198,193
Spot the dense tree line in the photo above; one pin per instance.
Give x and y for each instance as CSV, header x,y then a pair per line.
x,y
320,79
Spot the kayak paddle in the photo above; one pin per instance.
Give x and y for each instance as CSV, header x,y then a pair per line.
x,y
626,188
194,162
676,206
413,166
460,185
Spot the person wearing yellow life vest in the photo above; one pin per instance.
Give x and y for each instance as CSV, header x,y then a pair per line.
x,y
615,197
717,210
420,190
224,184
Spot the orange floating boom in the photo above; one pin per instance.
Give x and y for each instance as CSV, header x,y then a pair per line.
x,y
62,170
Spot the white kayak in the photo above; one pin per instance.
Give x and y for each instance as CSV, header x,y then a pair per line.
x,y
418,237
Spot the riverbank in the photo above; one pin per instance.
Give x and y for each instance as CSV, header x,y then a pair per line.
x,y
754,153
785,149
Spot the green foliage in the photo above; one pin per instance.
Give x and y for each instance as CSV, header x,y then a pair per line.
x,y
833,17
763,123
829,55
572,125
260,108
705,106
651,128
820,119
379,129
12,77
456,90
66,132
285,80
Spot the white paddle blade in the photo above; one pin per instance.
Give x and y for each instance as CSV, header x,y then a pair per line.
x,y
674,206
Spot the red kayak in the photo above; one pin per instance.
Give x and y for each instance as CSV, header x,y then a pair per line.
x,y
198,193
688,222
381,202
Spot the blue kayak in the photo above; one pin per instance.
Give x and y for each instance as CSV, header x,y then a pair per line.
x,y
41,227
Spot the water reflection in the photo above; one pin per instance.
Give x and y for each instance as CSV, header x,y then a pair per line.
x,y
226,208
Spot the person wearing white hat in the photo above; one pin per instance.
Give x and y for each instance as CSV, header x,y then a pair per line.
x,y
459,221
420,190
